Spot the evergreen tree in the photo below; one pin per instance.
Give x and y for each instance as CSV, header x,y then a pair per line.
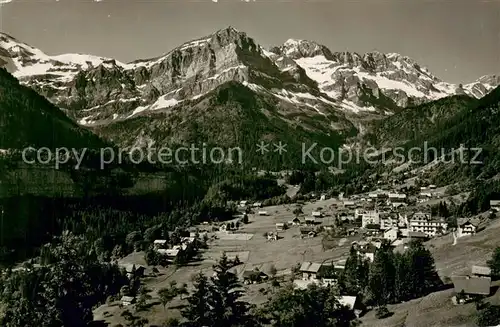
x,y
315,306
494,262
228,309
166,295
198,311
355,276
489,316
402,285
382,276
423,275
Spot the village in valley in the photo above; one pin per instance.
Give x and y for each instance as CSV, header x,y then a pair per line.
x,y
309,241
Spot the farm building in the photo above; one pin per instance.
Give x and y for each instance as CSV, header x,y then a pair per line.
x,y
481,271
133,270
254,276
127,300
467,227
307,232
468,287
281,226
159,243
418,235
495,205
310,270
310,220
349,204
367,251
353,303
330,272
271,236
171,254
391,234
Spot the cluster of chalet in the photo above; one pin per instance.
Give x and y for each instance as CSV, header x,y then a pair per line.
x,y
311,220
427,193
132,271
319,273
245,204
327,274
385,214
160,246
468,287
306,226
395,225
367,249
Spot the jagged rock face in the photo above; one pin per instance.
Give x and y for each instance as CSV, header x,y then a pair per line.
x,y
296,49
301,76
482,86
352,77
114,90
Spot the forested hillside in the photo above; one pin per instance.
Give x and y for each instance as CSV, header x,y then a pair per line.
x,y
28,119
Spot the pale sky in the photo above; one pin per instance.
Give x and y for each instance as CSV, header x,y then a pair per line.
x,y
458,40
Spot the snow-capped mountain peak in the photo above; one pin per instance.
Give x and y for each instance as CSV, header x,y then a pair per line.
x,y
300,72
25,61
296,48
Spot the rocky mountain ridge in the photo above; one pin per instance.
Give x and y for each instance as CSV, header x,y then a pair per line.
x,y
302,79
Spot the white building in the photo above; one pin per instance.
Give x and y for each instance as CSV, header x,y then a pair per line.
x,y
159,243
495,205
310,270
466,228
187,240
397,197
422,222
388,220
367,251
349,203
281,226
391,234
424,197
171,253
370,217
127,300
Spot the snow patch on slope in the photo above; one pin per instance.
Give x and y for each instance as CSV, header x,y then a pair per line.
x,y
30,61
351,106
321,70
162,102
